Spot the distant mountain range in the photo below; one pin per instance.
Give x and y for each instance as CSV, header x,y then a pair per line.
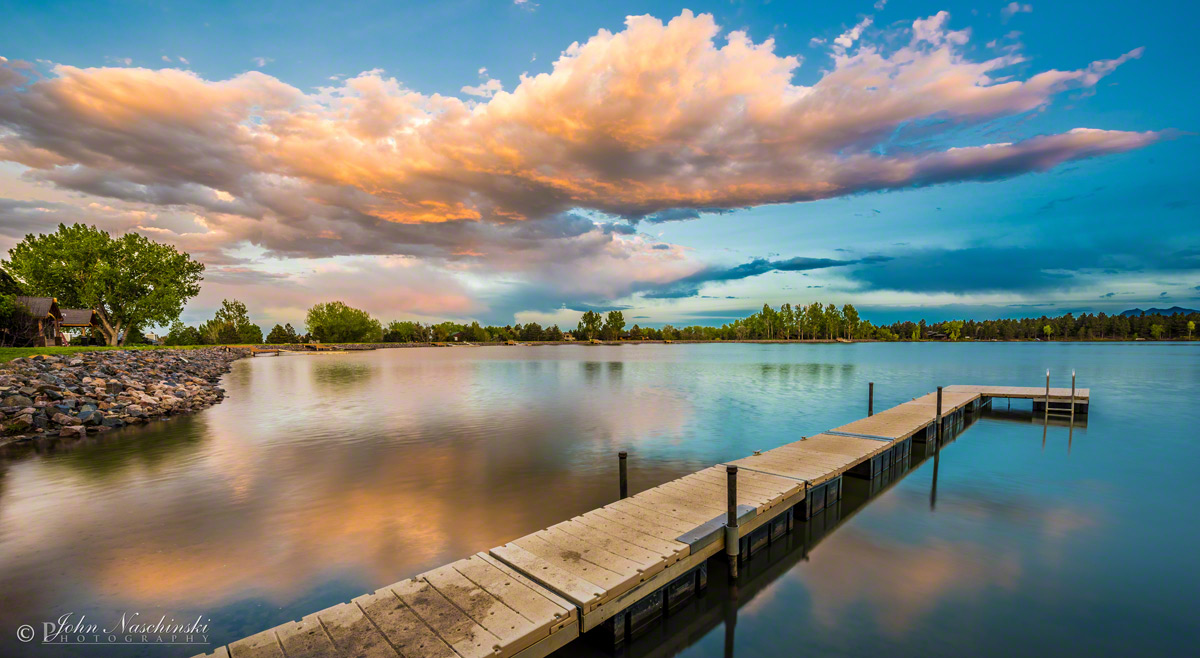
x,y
1136,312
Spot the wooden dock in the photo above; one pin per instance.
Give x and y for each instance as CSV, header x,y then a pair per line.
x,y
619,567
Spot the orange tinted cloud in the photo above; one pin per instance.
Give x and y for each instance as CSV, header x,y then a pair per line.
x,y
656,116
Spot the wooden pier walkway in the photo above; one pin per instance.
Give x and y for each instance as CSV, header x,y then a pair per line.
x,y
619,567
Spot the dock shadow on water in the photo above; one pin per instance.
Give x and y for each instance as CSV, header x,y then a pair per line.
x,y
323,477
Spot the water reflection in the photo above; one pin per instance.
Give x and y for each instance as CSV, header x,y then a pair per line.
x,y
324,476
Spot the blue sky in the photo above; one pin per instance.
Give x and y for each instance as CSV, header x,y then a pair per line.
x,y
934,237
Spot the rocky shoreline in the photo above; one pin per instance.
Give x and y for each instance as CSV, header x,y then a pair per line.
x,y
88,392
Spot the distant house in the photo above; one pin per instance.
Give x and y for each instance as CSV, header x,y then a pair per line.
x,y
457,336
568,336
48,319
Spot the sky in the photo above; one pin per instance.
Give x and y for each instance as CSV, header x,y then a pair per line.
x,y
684,162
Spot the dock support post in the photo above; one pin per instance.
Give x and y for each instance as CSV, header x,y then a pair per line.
x,y
1072,397
871,399
1047,394
937,445
731,523
1046,407
622,456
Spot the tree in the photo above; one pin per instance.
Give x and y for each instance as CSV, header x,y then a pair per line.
x,y
477,333
283,335
231,325
1048,330
788,317
406,332
1156,331
954,329
1191,325
531,332
851,315
181,334
18,328
130,281
833,321
614,324
815,319
589,325
335,322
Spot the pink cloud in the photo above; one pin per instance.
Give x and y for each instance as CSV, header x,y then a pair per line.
x,y
657,116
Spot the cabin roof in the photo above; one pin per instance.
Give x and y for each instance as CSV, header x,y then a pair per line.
x,y
41,307
77,317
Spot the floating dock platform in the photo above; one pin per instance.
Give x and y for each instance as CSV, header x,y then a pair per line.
x,y
617,568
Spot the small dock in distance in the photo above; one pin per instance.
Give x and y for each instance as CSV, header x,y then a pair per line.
x,y
618,568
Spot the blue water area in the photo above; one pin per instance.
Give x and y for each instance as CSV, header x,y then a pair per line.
x,y
324,476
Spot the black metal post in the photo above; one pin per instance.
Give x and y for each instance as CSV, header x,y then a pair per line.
x,y
731,523
1047,406
871,399
1072,397
624,474
937,444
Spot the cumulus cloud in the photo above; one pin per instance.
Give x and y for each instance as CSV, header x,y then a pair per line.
x,y
486,89
847,38
655,117
1014,8
658,121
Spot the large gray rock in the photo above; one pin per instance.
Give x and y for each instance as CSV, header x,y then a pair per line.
x,y
16,401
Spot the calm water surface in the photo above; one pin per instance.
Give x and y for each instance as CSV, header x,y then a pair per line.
x,y
324,476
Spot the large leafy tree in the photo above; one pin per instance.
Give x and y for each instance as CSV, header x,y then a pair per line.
x,y
335,322
283,335
231,325
181,334
614,324
131,281
589,324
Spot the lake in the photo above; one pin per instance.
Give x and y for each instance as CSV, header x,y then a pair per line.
x,y
324,476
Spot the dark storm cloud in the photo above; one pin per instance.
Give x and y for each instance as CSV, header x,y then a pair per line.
x,y
678,215
689,286
1017,269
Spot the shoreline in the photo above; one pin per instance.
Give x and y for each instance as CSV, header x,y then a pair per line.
x,y
363,347
70,396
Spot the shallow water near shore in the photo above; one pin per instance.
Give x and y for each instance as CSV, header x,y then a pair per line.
x,y
324,476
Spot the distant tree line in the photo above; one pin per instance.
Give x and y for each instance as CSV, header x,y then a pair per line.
x,y
337,322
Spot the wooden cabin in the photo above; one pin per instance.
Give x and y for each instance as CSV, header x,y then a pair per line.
x,y
48,319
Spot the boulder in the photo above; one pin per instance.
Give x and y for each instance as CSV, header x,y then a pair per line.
x,y
17,401
63,419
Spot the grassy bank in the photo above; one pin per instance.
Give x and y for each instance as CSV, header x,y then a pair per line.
x,y
9,353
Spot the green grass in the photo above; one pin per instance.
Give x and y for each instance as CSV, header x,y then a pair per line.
x,y
9,353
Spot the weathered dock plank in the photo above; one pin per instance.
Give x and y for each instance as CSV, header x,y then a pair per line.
x,y
353,634
401,626
305,639
465,635
632,530
261,645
